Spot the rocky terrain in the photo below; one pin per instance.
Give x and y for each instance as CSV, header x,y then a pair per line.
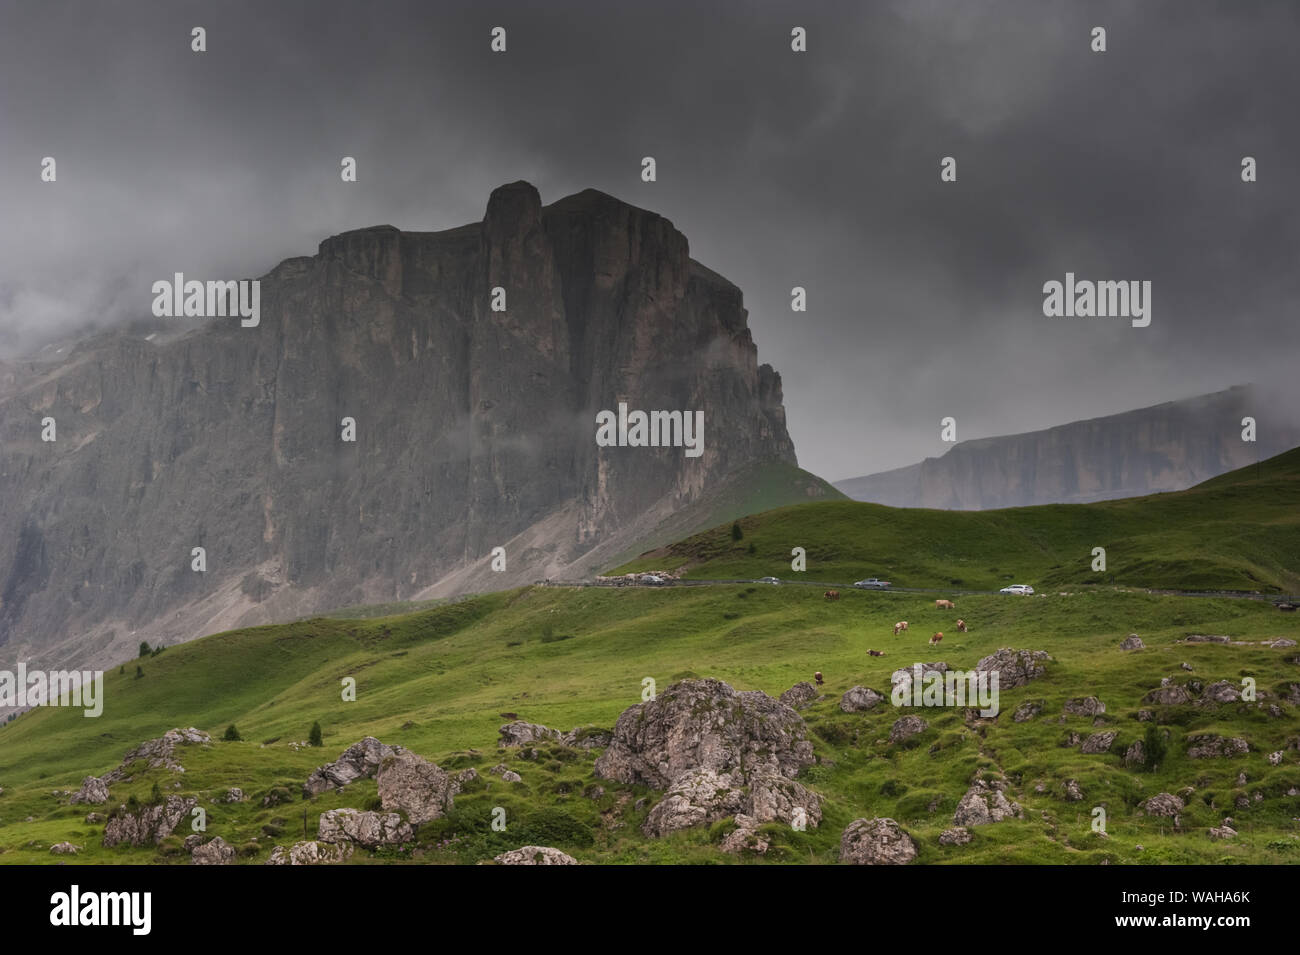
x,y
475,429
1167,447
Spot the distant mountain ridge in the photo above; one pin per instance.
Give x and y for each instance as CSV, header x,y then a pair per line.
x,y
1165,447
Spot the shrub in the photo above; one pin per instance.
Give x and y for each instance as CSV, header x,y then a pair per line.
x,y
232,734
139,671
314,737
144,648
555,827
736,532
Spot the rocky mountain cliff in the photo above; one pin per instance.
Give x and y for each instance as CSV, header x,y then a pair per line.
x,y
475,429
1167,447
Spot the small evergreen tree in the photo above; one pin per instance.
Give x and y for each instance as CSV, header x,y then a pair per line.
x,y
736,532
144,648
313,738
232,734
155,794
139,671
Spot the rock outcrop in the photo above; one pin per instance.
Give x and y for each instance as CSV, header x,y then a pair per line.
x,y
985,803
860,699
148,825
310,853
156,753
876,842
93,791
369,829
535,855
1213,746
1014,667
415,787
214,852
361,760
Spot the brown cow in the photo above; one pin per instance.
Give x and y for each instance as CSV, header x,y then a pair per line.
x,y
899,627
876,653
936,638
832,595
945,605
961,625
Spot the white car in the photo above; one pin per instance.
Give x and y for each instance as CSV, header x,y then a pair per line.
x,y
1023,589
767,580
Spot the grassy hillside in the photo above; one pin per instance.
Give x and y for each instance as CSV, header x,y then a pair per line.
x,y
437,682
1239,531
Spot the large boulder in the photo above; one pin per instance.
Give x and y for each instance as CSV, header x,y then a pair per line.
x,y
93,791
876,842
310,853
1099,742
1169,695
906,727
1212,746
215,852
148,825
1163,804
1085,706
1014,667
705,725
985,803
369,829
1221,691
859,699
1132,642
359,761
412,785
535,855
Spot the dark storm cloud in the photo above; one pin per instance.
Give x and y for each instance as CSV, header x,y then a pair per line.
x,y
819,169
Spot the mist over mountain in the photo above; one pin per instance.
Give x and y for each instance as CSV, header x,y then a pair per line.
x,y
474,429
1166,447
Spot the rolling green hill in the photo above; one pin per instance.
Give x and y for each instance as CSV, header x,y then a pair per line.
x,y
438,681
1239,531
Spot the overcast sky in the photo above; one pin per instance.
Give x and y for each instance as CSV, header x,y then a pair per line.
x,y
818,169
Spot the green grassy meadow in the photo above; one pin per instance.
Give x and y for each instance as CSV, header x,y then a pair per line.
x,y
438,680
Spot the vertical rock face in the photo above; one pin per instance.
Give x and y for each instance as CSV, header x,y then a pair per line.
x,y
1167,447
475,428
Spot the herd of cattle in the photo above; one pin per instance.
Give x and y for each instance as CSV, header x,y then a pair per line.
x,y
902,624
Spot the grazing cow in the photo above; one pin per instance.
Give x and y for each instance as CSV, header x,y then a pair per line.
x,y
832,595
876,653
961,625
818,677
899,627
936,638
945,605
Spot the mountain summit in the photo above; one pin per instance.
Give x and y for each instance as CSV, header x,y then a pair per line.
x,y
473,363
